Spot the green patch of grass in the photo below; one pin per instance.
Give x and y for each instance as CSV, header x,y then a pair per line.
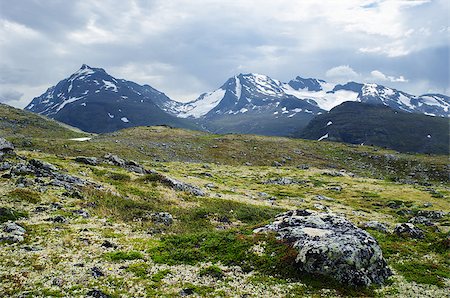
x,y
139,269
424,273
23,194
123,255
212,271
119,176
7,214
158,276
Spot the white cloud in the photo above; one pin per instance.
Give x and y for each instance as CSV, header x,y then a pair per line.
x,y
378,75
342,73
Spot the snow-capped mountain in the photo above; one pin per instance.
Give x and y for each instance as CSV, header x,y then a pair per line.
x,y
328,96
254,92
94,101
249,103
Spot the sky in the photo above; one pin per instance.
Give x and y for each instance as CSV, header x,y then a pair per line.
x,y
184,47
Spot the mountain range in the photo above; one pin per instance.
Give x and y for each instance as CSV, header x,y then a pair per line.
x,y
94,101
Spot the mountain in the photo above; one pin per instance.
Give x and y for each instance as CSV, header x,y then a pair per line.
x,y
249,103
258,104
328,96
94,101
379,125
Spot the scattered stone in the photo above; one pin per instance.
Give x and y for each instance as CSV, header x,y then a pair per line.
x,y
40,209
162,218
97,294
58,219
302,167
82,213
284,181
186,292
114,160
57,282
249,164
421,220
431,214
376,225
5,146
93,161
55,205
331,245
333,174
5,166
263,194
12,232
277,164
108,244
96,272
43,166
321,207
323,198
408,230
427,204
181,186
335,188
210,185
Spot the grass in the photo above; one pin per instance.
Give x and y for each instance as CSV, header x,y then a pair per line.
x,y
123,255
7,214
23,194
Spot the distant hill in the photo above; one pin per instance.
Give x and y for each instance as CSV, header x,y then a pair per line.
x,y
22,125
368,124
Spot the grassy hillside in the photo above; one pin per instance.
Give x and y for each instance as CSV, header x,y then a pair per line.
x,y
22,126
103,238
359,123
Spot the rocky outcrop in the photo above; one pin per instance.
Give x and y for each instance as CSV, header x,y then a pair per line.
x,y
92,161
181,186
330,245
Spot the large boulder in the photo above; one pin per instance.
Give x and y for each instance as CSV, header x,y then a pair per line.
x,y
11,232
6,146
330,245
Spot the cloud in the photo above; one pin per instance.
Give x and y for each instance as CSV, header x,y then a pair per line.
x,y
188,47
378,75
341,73
10,95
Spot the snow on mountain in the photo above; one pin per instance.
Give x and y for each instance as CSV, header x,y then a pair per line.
x,y
94,101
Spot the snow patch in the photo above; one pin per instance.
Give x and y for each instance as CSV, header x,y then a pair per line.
x,y
110,115
323,137
110,85
202,105
329,123
125,119
80,139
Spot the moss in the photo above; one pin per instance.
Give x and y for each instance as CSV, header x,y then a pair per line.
x,y
139,269
23,194
7,214
212,271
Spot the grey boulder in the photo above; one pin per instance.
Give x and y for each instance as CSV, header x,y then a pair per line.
x,y
330,245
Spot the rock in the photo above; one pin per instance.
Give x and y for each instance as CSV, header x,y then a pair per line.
x,y
421,220
276,164
427,204
87,160
82,213
331,245
302,167
408,230
333,174
43,166
5,146
335,188
323,198
114,160
108,244
96,272
181,186
186,292
5,166
162,218
97,294
40,209
431,214
283,181
12,232
58,219
210,185
376,225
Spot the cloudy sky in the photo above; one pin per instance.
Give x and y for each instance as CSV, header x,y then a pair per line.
x,y
186,47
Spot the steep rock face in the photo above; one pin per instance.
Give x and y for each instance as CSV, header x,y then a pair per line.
x,y
331,245
94,101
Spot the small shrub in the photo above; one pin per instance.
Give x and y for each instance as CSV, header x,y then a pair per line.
x,y
157,277
212,271
138,269
23,194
